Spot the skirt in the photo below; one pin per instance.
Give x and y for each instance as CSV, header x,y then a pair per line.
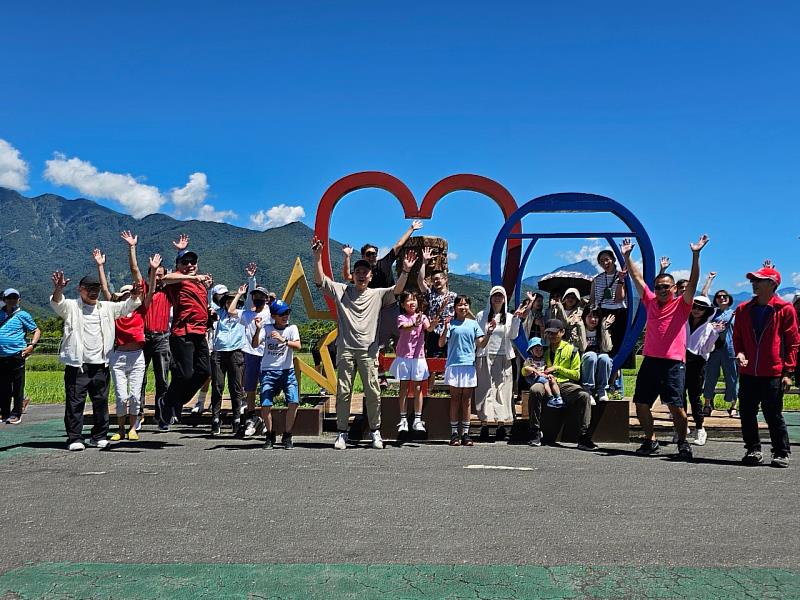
x,y
409,369
494,398
461,376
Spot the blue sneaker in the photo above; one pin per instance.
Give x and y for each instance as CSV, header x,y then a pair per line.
x,y
555,402
163,427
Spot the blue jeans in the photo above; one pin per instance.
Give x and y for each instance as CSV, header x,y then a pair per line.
x,y
716,360
595,371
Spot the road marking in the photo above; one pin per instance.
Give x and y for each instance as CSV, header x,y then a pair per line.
x,y
95,473
498,468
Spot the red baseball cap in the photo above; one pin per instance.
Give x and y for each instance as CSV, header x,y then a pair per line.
x,y
766,273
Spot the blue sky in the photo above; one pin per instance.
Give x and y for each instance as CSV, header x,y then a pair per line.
x,y
685,113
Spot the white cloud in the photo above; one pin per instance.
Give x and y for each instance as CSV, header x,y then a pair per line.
x,y
383,251
476,268
191,196
139,199
587,252
276,216
452,256
209,213
795,279
13,169
680,273
742,284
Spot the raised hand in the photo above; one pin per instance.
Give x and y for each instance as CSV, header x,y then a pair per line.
x,y
664,263
347,250
711,275
59,280
181,243
701,243
768,264
409,260
719,326
205,278
251,269
490,327
243,289
131,239
136,292
609,321
155,260
316,246
99,257
627,247
427,254
622,273
574,318
416,224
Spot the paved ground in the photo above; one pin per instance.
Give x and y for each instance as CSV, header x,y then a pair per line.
x,y
423,521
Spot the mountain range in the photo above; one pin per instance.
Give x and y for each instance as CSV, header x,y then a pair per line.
x,y
42,234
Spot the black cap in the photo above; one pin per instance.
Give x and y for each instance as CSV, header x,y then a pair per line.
x,y
260,289
362,263
553,325
89,280
184,253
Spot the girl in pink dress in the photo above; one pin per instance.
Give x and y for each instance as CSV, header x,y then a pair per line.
x,y
410,366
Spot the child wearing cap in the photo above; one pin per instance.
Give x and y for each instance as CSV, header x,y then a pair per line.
x,y
277,369
533,371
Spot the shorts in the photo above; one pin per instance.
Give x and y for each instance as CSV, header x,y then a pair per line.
x,y
409,369
538,379
279,380
661,378
252,371
461,376
432,349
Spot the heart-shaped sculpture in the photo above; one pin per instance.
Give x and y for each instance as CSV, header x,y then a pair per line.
x,y
391,184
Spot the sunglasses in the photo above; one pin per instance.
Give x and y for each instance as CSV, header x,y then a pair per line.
x,y
188,261
722,297
663,286
370,254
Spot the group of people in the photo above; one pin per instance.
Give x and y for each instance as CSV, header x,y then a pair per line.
x,y
196,333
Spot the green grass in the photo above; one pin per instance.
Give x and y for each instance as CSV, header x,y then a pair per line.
x,y
44,383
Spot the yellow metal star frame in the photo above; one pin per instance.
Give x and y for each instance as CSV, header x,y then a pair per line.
x,y
326,379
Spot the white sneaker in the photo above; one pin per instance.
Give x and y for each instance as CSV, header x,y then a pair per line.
x,y
419,425
76,447
592,401
341,441
138,425
700,437
196,410
603,397
402,427
102,444
252,426
377,441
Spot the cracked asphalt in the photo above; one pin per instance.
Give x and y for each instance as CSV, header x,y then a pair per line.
x,y
184,498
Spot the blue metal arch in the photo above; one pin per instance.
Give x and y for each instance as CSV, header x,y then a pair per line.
x,y
572,202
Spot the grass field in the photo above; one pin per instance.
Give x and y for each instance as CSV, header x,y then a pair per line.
x,y
44,382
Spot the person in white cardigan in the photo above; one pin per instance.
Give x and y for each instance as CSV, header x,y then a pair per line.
x,y
85,351
701,334
494,395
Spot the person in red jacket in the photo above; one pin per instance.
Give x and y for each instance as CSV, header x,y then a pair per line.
x,y
765,340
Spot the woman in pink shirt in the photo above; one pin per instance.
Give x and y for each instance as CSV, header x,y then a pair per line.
x,y
410,366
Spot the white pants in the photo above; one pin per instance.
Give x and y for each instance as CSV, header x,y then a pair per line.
x,y
127,373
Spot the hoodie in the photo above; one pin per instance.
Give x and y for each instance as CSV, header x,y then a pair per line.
x,y
502,338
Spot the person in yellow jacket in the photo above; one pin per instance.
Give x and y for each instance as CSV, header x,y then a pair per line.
x,y
563,362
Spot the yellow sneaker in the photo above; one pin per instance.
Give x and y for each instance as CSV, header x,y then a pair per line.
x,y
116,437
132,435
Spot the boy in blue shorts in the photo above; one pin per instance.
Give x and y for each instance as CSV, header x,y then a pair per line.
x,y
277,369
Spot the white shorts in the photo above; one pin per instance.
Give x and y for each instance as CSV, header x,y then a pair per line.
x,y
461,377
409,369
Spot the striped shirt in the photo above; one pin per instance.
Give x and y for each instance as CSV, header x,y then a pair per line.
x,y
12,331
607,281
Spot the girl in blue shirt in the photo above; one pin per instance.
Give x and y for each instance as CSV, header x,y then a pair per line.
x,y
461,335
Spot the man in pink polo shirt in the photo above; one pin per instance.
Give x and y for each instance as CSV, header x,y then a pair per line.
x,y
663,370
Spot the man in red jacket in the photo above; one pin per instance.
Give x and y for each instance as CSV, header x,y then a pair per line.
x,y
765,340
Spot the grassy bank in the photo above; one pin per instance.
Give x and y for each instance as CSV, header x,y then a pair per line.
x,y
44,382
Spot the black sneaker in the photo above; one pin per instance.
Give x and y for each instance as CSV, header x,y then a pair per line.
x,y
587,445
780,460
484,433
685,450
269,440
215,427
648,447
536,440
286,440
236,428
500,433
466,440
753,457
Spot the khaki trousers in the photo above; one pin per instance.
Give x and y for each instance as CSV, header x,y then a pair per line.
x,y
349,361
